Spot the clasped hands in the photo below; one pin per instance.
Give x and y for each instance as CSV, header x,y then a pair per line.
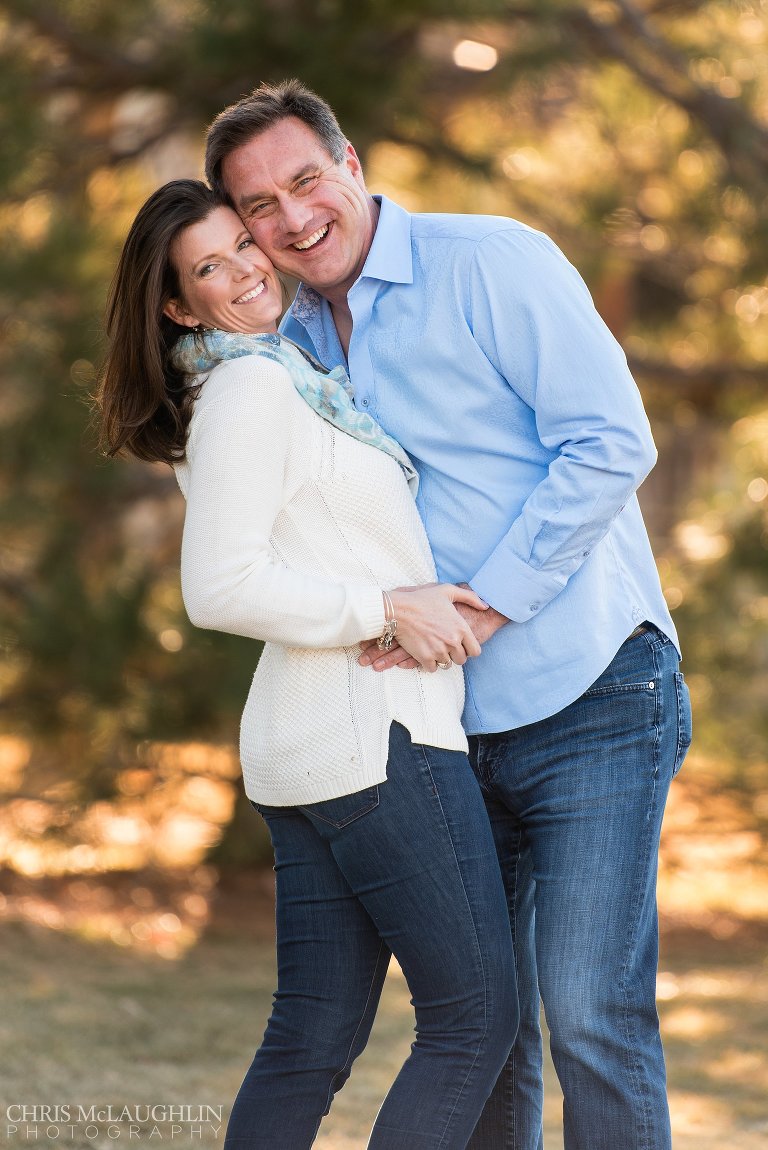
x,y
436,623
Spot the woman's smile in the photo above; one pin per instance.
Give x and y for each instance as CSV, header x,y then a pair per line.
x,y
226,281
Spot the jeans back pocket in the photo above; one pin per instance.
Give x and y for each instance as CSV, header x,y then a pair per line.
x,y
344,810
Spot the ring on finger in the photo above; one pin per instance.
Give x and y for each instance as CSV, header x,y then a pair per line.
x,y
445,666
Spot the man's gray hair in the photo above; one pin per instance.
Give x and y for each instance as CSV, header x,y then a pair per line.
x,y
264,107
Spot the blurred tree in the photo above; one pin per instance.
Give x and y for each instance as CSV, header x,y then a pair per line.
x,y
633,132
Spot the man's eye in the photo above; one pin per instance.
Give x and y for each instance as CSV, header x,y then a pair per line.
x,y
306,185
258,209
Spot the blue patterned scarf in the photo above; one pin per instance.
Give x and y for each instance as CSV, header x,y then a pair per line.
x,y
329,393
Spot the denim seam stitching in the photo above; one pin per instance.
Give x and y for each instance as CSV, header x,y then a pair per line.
x,y
508,1072
358,814
489,773
656,640
681,750
510,1085
632,1064
616,689
348,1059
478,948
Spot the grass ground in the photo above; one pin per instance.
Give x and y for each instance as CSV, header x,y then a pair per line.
x,y
89,1022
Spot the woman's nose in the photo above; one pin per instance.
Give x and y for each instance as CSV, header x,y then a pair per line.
x,y
242,265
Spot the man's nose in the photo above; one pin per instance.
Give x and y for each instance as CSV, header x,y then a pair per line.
x,y
295,214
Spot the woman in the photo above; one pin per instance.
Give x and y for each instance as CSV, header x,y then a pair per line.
x,y
300,530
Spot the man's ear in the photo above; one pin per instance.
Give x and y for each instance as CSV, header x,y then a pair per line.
x,y
352,160
176,311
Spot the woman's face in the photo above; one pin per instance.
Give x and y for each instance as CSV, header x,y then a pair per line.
x,y
226,281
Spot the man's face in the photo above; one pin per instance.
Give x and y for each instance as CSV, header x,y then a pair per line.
x,y
312,217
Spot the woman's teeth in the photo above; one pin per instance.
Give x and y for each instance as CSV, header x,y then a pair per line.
x,y
310,241
249,295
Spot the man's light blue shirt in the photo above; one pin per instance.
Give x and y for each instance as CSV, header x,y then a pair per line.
x,y
476,344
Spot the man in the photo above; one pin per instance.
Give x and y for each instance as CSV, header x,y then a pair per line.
x,y
475,343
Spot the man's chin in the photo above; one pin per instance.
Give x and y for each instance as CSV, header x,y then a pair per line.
x,y
316,275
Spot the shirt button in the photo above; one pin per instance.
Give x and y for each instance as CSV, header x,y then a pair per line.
x,y
364,402
535,606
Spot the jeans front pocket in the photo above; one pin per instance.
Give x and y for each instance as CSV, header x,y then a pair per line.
x,y
684,721
343,811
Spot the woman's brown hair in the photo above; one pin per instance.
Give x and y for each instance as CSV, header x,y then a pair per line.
x,y
145,403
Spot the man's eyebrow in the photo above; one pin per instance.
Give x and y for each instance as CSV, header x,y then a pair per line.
x,y
253,197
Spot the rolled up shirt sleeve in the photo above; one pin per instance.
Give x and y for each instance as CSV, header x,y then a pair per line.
x,y
535,320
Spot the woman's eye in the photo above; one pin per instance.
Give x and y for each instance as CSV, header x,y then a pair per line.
x,y
206,270
247,243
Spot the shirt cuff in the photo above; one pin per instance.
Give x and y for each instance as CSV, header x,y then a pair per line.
x,y
513,587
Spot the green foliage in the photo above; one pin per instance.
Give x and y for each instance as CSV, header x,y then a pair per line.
x,y
719,579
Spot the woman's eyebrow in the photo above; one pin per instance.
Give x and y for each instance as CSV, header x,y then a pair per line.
x,y
205,259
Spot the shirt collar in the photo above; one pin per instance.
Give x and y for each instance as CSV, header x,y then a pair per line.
x,y
390,258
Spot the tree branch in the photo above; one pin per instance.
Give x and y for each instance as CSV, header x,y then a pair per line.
x,y
719,373
438,148
741,139
122,71
664,69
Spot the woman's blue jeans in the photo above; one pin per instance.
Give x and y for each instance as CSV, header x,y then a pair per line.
x,y
409,868
576,803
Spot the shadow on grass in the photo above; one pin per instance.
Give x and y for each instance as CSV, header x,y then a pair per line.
x,y
152,986
94,1024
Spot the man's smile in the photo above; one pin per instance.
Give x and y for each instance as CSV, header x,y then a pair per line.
x,y
311,241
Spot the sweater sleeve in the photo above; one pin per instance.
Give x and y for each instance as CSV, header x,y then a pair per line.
x,y
231,578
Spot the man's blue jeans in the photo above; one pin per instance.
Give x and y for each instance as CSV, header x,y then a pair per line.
x,y
409,868
576,803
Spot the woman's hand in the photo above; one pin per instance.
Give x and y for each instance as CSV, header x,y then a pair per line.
x,y
429,628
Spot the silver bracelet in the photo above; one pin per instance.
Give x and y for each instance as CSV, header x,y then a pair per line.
x,y
386,639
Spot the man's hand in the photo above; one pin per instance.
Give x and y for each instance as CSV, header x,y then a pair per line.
x,y
383,660
483,623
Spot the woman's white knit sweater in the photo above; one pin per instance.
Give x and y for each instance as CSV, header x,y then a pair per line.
x,y
292,528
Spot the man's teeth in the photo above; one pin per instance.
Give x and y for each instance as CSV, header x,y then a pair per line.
x,y
310,241
252,294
